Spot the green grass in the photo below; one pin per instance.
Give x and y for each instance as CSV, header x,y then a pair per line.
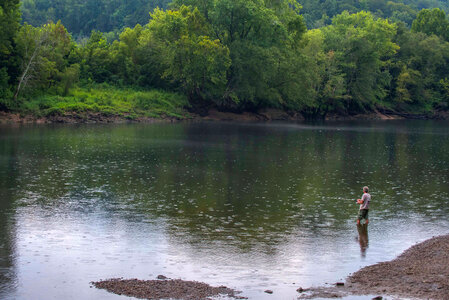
x,y
109,101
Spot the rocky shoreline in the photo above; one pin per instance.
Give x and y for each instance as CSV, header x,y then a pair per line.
x,y
421,272
211,115
164,288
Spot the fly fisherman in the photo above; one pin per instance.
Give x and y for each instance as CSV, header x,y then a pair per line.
x,y
364,205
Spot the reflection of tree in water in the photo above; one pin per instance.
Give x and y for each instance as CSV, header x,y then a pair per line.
x,y
228,183
8,183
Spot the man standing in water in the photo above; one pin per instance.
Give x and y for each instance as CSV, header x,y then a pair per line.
x,y
364,205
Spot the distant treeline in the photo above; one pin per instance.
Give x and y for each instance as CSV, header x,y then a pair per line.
x,y
80,17
319,13
242,55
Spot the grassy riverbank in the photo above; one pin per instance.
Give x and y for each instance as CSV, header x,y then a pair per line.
x,y
106,101
102,103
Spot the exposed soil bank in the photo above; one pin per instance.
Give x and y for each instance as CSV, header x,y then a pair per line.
x,y
278,115
420,272
75,118
212,115
164,289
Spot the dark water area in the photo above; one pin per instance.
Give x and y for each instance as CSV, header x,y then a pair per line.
x,y
249,206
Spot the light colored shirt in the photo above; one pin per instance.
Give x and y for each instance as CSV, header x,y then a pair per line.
x,y
366,198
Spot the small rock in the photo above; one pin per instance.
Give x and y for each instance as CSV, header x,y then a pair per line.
x,y
301,290
162,277
378,298
269,291
340,284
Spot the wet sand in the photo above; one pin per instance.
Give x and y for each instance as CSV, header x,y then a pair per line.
x,y
421,272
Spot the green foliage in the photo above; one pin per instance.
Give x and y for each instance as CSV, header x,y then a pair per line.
x,y
418,69
9,21
233,54
407,80
190,57
81,16
324,84
109,101
432,21
320,13
363,48
97,63
261,37
44,53
444,104
9,24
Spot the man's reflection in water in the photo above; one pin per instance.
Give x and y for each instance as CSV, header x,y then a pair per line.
x,y
363,238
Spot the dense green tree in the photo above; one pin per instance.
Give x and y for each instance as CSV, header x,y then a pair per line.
x,y
132,60
9,24
363,48
235,54
444,104
127,56
97,64
399,12
189,56
320,13
260,36
146,64
83,16
44,54
323,85
432,21
419,70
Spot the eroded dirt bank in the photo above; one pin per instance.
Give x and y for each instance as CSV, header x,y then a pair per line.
x,y
212,115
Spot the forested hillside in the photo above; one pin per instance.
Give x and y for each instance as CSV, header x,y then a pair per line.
x,y
320,12
80,17
234,55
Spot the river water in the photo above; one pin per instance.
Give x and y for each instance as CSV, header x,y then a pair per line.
x,y
251,206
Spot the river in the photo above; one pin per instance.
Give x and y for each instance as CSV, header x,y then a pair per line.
x,y
253,206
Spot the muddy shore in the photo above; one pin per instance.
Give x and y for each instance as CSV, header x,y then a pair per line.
x,y
421,272
212,115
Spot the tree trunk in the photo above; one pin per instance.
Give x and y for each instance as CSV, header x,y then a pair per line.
x,y
25,74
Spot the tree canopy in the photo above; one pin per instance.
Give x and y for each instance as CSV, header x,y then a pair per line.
x,y
9,24
238,55
432,21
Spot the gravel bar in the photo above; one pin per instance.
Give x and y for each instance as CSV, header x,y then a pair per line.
x,y
420,272
164,289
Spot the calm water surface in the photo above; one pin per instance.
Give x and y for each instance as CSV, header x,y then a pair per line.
x,y
249,206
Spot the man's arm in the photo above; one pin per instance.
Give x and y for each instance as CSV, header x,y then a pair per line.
x,y
361,201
